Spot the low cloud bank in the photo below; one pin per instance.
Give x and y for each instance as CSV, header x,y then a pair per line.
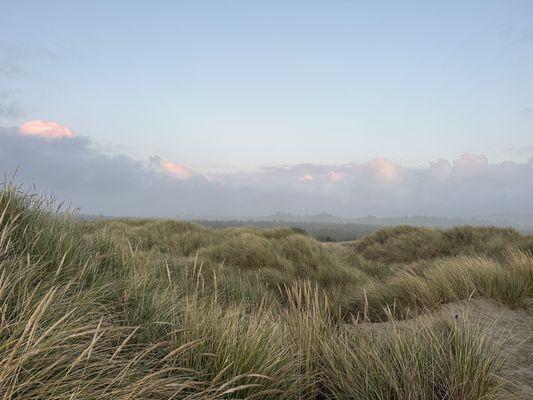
x,y
56,160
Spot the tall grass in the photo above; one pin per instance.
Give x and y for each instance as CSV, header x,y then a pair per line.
x,y
447,280
164,309
434,359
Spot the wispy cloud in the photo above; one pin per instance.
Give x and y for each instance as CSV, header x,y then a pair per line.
x,y
517,35
9,69
16,60
526,36
70,166
16,63
9,108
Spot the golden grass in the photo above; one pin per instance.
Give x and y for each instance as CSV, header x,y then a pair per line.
x,y
162,309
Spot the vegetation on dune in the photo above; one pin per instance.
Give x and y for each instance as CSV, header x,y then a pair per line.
x,y
322,231
407,244
150,309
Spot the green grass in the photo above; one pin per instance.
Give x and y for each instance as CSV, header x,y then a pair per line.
x,y
153,309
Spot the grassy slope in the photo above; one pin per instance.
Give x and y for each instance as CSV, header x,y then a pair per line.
x,y
155,309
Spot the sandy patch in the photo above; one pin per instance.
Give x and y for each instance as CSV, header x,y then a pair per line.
x,y
518,370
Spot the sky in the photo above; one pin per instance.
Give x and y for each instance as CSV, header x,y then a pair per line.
x,y
347,107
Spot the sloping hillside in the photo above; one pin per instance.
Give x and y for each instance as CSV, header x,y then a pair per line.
x,y
151,309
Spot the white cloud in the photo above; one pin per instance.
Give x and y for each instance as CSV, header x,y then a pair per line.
x,y
71,168
177,170
335,176
305,178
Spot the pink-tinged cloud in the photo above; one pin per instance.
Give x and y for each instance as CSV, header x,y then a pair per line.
x,y
441,168
47,129
386,170
305,178
334,176
468,160
177,170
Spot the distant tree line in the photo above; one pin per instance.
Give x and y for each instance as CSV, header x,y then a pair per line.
x,y
323,231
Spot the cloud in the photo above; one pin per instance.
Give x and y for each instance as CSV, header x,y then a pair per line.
x,y
9,69
526,36
172,169
335,176
470,162
517,35
385,170
440,168
520,150
177,170
73,169
527,110
15,60
46,129
305,178
9,109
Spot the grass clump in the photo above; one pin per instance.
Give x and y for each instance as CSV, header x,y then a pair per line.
x,y
403,244
442,359
430,284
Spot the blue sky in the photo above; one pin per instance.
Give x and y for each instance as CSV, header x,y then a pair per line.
x,y
214,84
246,108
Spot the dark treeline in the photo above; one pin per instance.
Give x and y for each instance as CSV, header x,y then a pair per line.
x,y
323,231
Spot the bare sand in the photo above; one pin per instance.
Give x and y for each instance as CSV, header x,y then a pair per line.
x,y
512,328
518,347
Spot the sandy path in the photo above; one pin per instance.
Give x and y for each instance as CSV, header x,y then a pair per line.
x,y
519,368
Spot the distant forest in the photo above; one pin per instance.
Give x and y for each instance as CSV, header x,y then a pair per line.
x,y
329,228
323,231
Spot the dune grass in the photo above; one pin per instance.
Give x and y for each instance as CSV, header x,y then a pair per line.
x,y
149,309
